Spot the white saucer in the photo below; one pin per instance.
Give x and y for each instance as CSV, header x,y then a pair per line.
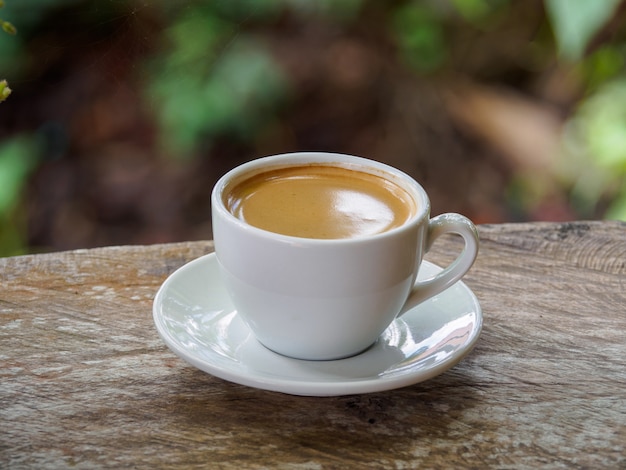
x,y
194,316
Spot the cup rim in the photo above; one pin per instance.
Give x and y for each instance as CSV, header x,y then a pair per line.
x,y
296,158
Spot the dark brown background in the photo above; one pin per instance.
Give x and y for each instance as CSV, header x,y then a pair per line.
x,y
466,131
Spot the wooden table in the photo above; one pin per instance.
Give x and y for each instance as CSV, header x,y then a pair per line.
x,y
87,382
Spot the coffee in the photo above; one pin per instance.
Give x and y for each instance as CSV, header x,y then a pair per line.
x,y
320,201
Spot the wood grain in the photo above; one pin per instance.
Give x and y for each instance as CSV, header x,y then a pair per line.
x,y
85,381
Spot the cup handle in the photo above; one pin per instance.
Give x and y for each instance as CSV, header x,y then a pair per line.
x,y
437,226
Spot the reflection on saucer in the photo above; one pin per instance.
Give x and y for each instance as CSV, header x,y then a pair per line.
x,y
195,318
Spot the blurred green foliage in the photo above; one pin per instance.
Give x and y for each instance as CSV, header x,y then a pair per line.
x,y
211,81
214,75
238,90
595,150
595,137
420,35
19,155
18,158
575,23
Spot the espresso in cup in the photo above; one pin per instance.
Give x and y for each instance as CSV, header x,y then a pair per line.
x,y
357,231
320,201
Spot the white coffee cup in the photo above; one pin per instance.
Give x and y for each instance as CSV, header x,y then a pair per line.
x,y
324,299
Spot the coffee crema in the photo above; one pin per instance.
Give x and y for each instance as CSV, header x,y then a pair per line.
x,y
320,201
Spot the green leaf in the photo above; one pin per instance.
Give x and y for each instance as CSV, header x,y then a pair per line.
x,y
5,91
575,22
8,27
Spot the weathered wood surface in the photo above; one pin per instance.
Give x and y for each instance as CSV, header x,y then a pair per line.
x,y
86,382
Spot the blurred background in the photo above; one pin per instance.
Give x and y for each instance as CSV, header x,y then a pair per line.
x,y
124,113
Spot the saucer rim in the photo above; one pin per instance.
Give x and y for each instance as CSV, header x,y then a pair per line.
x,y
311,388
